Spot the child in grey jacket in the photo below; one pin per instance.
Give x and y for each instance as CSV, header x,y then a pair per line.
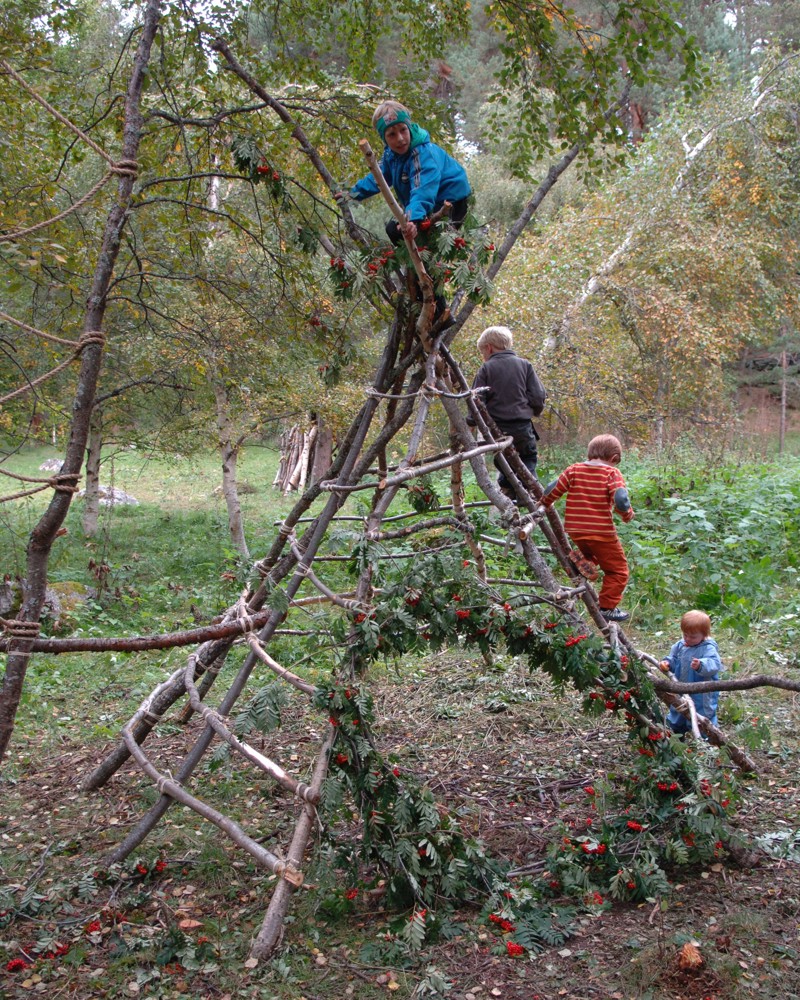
x,y
692,659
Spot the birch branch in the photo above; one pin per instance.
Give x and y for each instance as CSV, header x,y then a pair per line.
x,y
167,786
421,470
214,719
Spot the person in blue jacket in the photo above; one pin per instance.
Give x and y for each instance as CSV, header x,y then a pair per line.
x,y
692,659
422,174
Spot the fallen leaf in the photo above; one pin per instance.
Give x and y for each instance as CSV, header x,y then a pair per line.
x,y
189,925
251,963
689,957
393,985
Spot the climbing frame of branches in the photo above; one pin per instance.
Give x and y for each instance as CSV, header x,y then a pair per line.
x,y
416,374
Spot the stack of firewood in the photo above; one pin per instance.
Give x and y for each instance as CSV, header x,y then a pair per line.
x,y
305,456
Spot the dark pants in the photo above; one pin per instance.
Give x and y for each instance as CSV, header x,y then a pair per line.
x,y
457,215
524,435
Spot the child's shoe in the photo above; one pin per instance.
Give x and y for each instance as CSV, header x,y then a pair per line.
x,y
614,614
587,569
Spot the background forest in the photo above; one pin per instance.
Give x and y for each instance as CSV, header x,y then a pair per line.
x,y
635,222
679,241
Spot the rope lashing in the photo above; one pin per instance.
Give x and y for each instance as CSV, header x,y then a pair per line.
x,y
125,168
61,484
91,337
16,628
88,337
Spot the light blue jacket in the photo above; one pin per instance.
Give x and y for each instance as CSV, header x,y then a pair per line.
x,y
423,179
680,658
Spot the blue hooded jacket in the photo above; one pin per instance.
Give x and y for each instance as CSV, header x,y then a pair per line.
x,y
680,658
423,178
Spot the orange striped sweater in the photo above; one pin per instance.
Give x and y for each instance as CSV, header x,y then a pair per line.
x,y
592,496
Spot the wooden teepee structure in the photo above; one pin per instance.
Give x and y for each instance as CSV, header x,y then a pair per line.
x,y
416,373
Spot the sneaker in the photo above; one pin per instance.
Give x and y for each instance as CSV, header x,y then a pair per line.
x,y
588,570
614,614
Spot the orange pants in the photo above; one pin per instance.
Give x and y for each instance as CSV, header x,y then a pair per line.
x,y
610,556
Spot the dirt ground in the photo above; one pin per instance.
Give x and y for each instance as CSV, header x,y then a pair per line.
x,y
494,742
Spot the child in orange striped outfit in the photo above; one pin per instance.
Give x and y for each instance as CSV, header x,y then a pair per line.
x,y
595,489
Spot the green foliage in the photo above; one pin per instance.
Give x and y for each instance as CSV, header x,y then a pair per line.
x,y
423,496
319,40
250,161
723,539
669,808
418,847
521,913
685,254
262,713
561,71
454,259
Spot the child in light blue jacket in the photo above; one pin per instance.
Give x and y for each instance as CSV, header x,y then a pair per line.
x,y
692,659
422,174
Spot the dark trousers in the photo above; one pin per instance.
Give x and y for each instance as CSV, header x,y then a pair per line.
x,y
524,435
457,215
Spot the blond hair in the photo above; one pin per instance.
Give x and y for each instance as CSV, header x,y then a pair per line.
x,y
499,337
385,106
696,621
604,446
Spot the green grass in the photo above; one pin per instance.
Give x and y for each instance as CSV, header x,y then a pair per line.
x,y
165,557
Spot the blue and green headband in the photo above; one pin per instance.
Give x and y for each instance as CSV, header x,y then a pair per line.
x,y
394,116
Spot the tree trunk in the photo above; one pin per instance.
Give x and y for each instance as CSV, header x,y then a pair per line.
x,y
323,453
44,533
662,403
782,433
91,495
229,452
283,447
